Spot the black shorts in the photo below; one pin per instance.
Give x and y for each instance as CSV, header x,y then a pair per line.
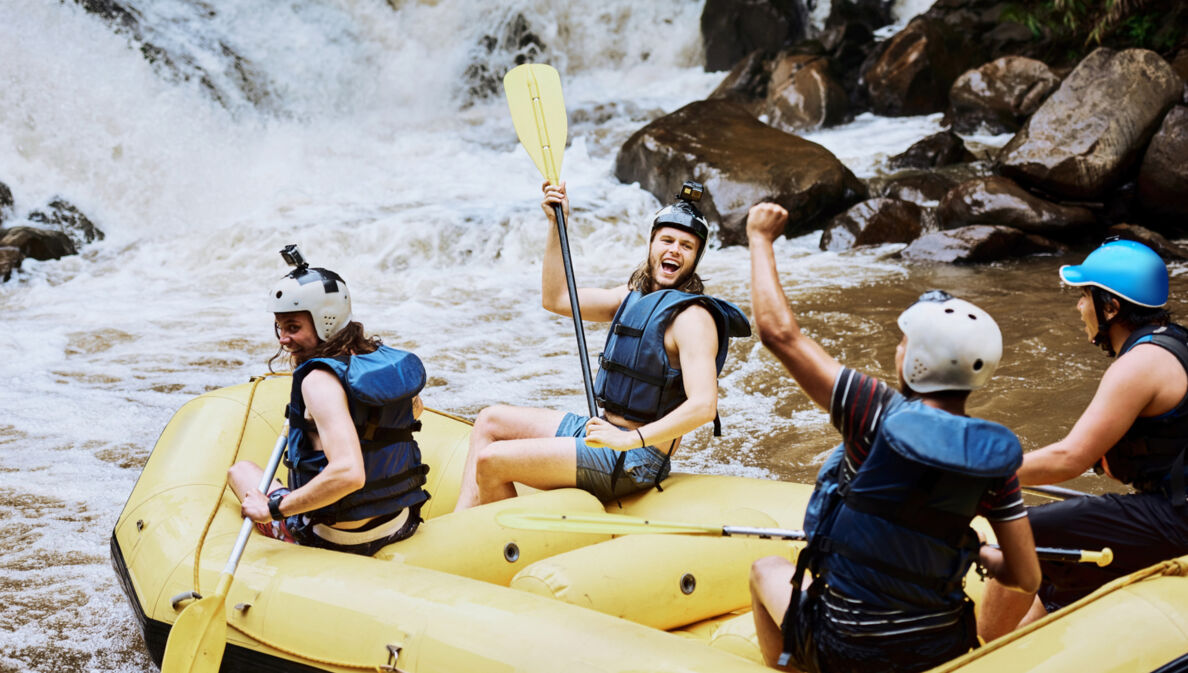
x,y
1141,528
817,646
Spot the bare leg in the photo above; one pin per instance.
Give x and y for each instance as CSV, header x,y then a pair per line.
x,y
539,463
500,423
771,592
244,477
1003,610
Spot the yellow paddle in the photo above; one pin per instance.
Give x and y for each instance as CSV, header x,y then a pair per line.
x,y
199,636
533,93
619,524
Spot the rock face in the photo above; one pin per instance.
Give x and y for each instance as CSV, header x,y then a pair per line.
x,y
923,188
39,244
976,243
913,72
1163,175
741,162
62,216
1166,249
1090,131
938,149
998,200
873,222
804,95
731,29
10,260
999,95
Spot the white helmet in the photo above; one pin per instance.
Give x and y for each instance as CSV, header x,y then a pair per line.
x,y
320,291
951,344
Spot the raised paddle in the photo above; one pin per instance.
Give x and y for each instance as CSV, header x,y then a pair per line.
x,y
533,93
199,636
619,524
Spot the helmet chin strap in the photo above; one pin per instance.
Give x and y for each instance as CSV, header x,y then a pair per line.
x,y
1102,338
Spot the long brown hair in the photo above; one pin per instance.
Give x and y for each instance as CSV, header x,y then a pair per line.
x,y
350,340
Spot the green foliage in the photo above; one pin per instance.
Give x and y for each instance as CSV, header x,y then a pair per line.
x,y
1076,27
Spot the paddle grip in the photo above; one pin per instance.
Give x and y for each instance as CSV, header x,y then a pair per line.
x,y
587,378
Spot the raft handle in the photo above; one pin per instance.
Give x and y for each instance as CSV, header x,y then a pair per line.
x,y
393,655
243,607
184,596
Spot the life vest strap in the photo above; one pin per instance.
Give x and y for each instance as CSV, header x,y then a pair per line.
x,y
381,437
624,330
612,366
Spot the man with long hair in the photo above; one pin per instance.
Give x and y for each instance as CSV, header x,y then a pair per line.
x,y
657,379
879,585
1135,430
355,471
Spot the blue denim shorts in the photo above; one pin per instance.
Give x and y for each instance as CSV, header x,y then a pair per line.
x,y
642,468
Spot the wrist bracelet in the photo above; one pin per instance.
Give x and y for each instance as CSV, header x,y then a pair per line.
x,y
642,443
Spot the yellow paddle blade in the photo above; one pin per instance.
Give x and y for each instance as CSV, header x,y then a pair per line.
x,y
533,93
613,524
198,638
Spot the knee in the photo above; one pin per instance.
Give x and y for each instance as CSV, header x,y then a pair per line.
x,y
241,468
490,420
488,463
764,567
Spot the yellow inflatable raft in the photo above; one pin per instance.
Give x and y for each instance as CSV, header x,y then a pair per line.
x,y
466,594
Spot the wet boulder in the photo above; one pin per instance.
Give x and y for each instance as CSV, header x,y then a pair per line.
x,y
10,260
731,29
912,73
872,13
1163,174
41,244
747,82
938,149
6,201
61,215
1166,249
999,95
921,187
1084,138
999,200
977,243
741,161
803,94
873,222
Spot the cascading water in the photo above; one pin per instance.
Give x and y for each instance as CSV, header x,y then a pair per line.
x,y
202,138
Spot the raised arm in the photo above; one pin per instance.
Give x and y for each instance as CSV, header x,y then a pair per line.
x,y
596,304
813,368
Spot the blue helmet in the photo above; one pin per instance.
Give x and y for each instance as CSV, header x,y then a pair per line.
x,y
1128,269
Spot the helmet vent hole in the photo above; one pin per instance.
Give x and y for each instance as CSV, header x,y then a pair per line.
x,y
948,310
972,316
279,293
977,365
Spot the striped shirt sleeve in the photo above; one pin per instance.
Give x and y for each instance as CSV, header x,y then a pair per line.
x,y
1004,501
856,410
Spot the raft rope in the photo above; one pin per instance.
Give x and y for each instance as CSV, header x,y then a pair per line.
x,y
247,414
1177,567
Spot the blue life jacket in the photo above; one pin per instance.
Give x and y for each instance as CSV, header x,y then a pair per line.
x,y
380,387
635,379
1150,456
896,536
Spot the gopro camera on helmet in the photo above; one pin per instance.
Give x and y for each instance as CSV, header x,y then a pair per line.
x,y
293,256
691,191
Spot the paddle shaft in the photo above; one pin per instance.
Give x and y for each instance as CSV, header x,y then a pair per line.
x,y
567,262
619,524
1058,492
246,529
198,637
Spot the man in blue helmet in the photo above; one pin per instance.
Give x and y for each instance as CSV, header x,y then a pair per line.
x,y
657,378
879,586
1134,430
